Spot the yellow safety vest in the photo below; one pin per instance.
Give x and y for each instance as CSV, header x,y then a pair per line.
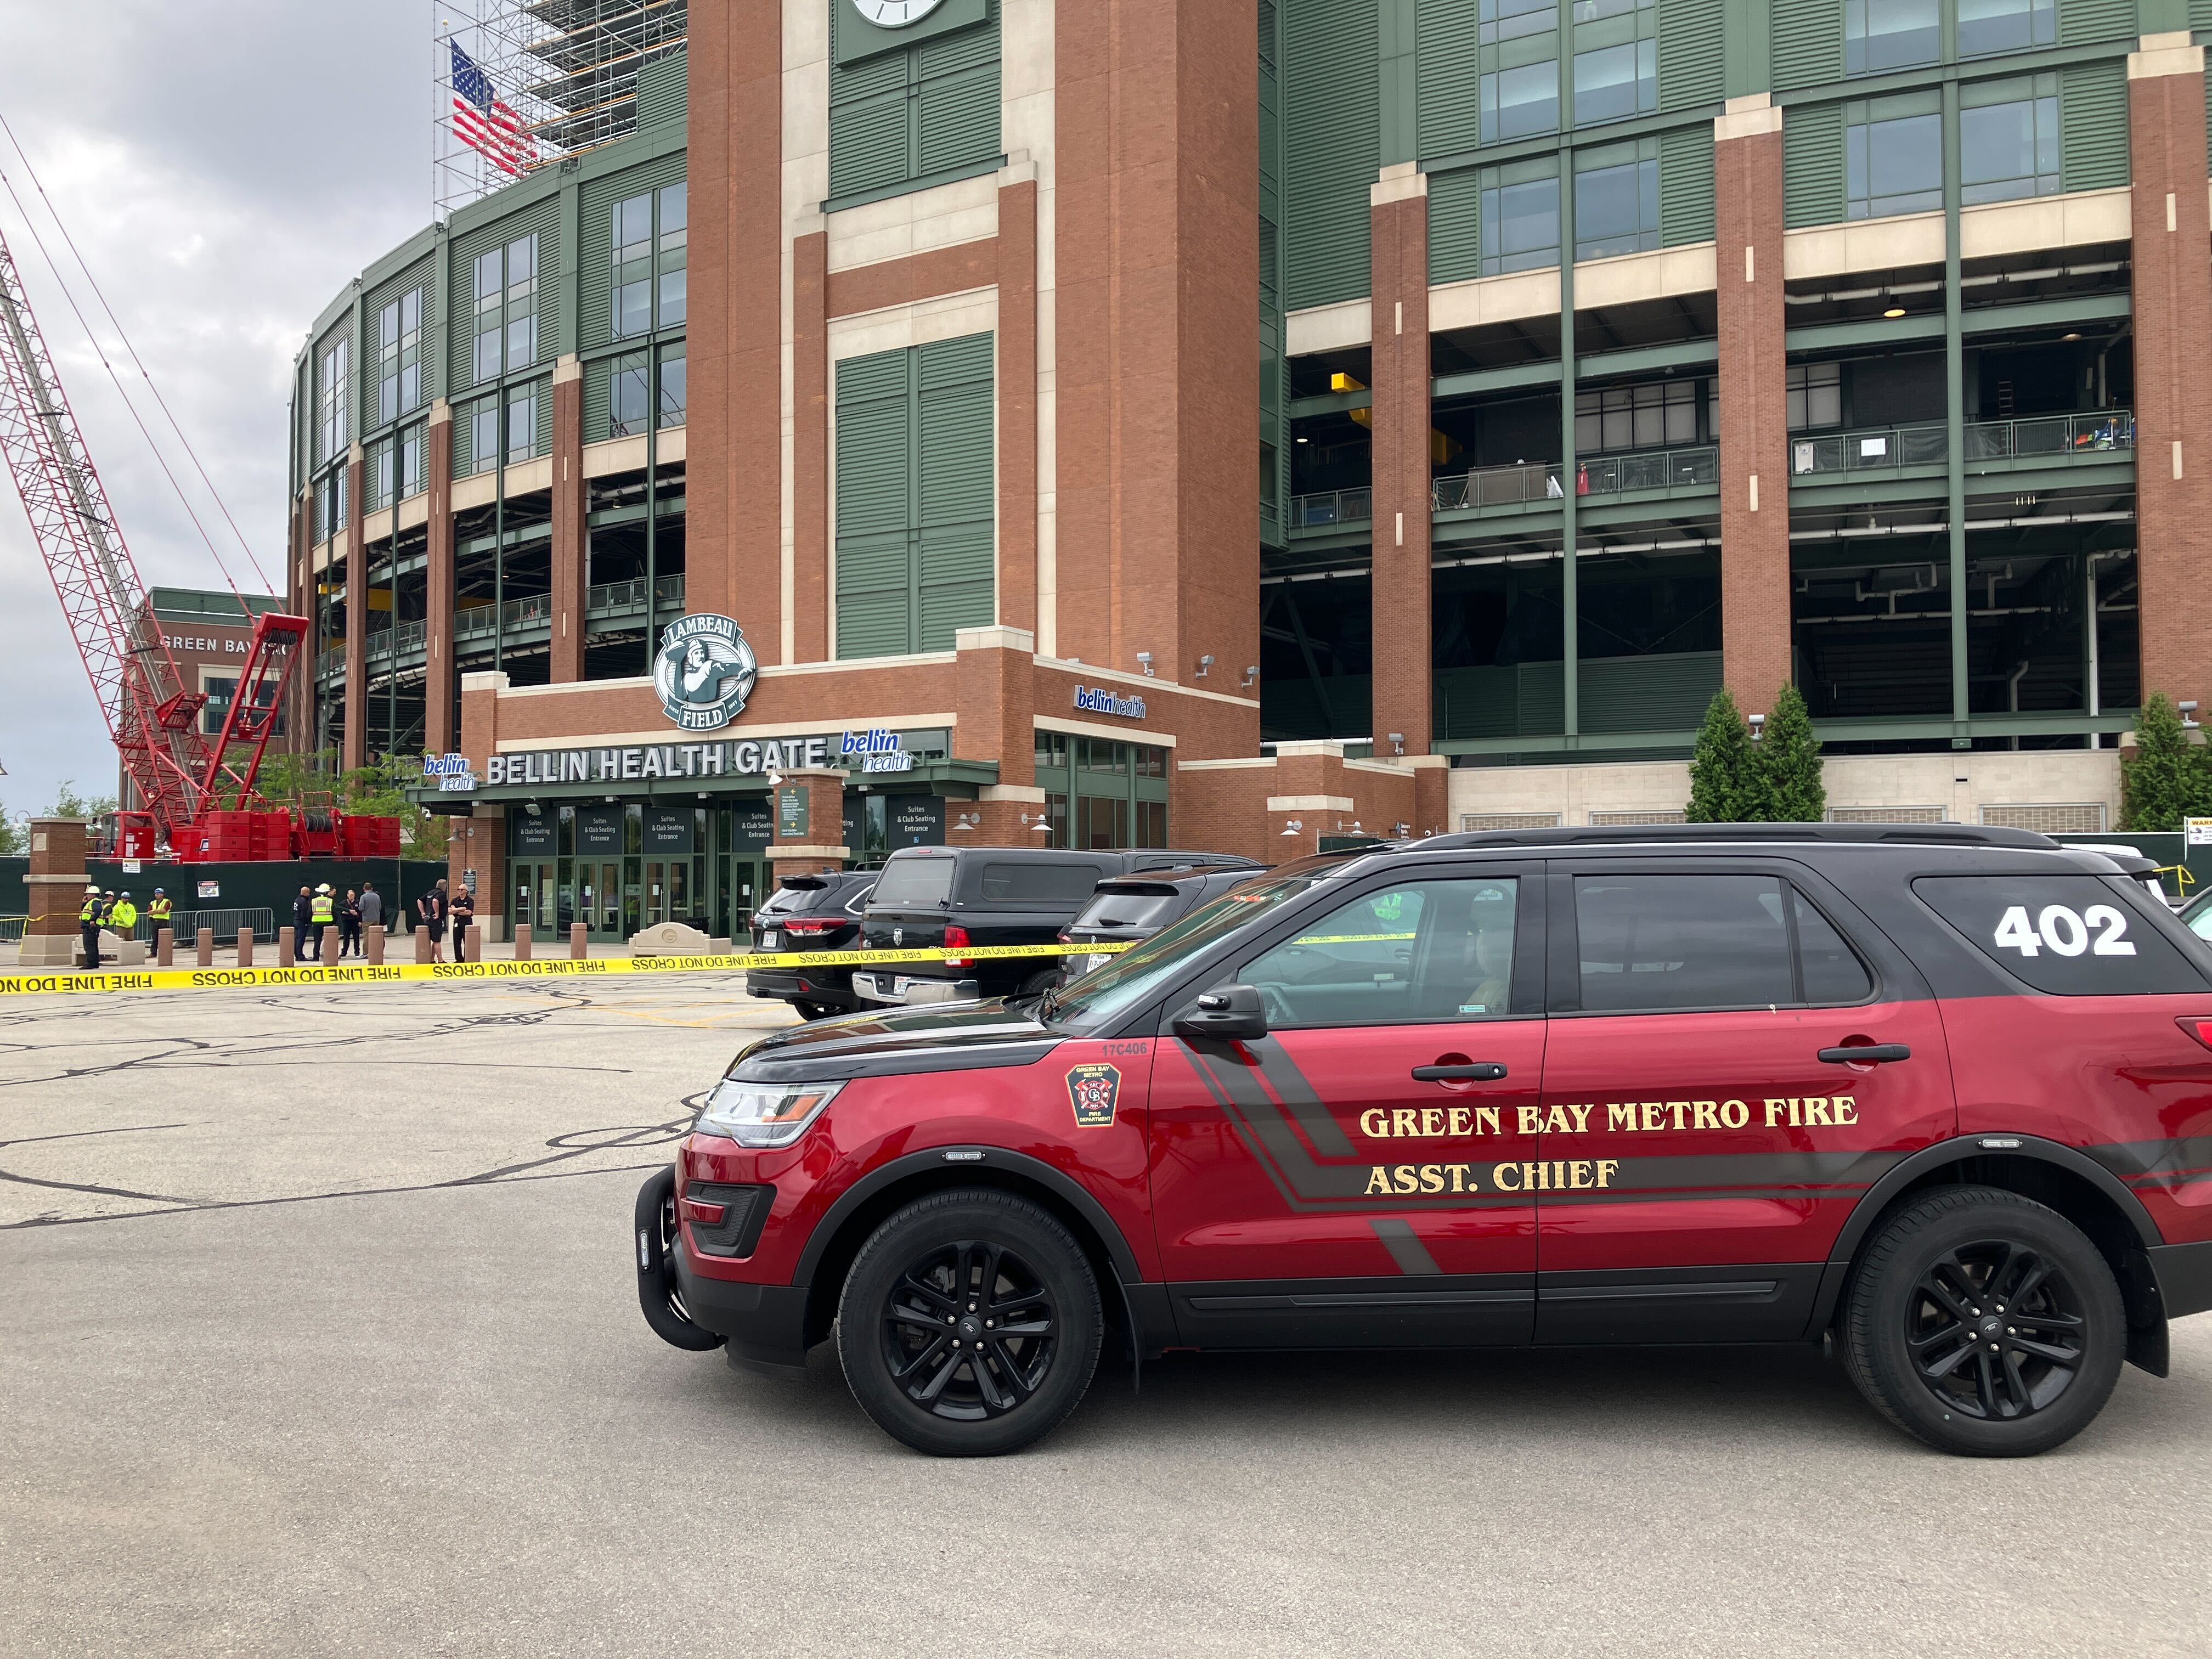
x,y
322,910
158,910
91,911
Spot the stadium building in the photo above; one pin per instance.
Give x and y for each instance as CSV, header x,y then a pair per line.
x,y
1240,425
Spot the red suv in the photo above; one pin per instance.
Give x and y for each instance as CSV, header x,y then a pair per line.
x,y
1939,1099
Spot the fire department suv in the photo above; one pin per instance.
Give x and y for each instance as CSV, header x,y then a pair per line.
x,y
1939,1099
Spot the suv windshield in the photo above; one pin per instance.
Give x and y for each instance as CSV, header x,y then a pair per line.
x,y
1149,908
1129,978
915,881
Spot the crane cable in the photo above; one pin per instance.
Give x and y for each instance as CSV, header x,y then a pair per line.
x,y
54,265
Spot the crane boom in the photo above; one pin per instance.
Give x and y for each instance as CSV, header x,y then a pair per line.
x,y
152,716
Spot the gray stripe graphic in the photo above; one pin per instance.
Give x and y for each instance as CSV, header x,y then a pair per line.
x,y
1406,1248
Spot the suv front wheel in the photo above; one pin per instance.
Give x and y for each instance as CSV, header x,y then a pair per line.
x,y
1985,1323
970,1324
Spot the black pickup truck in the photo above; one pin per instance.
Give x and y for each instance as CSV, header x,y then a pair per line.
x,y
944,897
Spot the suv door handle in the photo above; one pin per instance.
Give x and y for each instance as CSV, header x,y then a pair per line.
x,y
1481,1070
1866,1053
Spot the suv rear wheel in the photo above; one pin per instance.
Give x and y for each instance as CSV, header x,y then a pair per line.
x,y
1985,1324
970,1324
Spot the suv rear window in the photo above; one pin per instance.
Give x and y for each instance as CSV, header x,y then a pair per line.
x,y
1039,883
914,882
796,899
1130,910
1651,943
2071,936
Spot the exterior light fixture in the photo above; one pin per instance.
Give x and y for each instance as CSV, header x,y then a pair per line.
x,y
1145,662
2188,708
1294,826
1203,664
2069,336
967,821
1251,676
1894,311
1758,722
1397,743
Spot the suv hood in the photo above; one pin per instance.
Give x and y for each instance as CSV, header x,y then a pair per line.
x,y
964,1037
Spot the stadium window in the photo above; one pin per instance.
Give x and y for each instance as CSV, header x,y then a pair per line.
x,y
1988,25
1520,223
1617,208
1887,34
673,253
633,266
671,385
387,364
1507,20
488,289
380,474
522,302
1816,395
1661,414
1616,82
1892,164
483,435
2010,148
628,398
1516,102
521,423
412,445
332,430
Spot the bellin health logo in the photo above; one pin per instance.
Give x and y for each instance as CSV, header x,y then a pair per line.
x,y
704,671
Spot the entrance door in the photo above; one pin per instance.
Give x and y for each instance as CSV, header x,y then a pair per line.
x,y
1702,1156
656,892
1361,1174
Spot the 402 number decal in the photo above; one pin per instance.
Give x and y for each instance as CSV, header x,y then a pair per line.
x,y
2102,930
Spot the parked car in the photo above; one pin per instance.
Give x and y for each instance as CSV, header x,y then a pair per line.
x,y
1934,1099
1127,909
2196,914
944,897
811,912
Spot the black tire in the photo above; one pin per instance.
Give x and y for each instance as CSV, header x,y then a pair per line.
x,y
1984,1324
653,1238
812,1011
998,1256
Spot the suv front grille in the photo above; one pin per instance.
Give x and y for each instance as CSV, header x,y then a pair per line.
x,y
744,1209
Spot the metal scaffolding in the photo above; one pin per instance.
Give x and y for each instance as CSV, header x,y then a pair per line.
x,y
568,69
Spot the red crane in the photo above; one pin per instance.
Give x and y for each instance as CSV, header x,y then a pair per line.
x,y
153,716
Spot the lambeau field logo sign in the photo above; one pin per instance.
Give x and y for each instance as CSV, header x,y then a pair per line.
x,y
704,671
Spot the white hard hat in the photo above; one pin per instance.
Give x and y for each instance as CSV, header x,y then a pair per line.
x,y
94,888
325,888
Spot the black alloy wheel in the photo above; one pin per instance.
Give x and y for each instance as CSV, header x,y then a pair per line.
x,y
1984,1324
970,1323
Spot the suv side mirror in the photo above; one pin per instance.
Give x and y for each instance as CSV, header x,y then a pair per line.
x,y
1231,1011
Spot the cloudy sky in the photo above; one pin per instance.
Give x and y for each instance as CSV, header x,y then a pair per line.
x,y
226,170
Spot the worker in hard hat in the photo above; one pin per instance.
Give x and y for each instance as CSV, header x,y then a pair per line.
x,y
87,927
122,916
322,911
157,912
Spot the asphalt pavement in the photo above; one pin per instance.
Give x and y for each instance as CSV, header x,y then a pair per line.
x,y
319,1335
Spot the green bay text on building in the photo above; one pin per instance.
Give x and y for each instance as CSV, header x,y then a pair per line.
x,y
1225,425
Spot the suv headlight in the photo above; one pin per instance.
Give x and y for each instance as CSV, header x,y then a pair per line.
x,y
763,1114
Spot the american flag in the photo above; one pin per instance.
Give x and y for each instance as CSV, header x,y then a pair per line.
x,y
483,122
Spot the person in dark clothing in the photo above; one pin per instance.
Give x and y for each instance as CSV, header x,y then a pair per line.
x,y
87,927
303,916
430,912
350,924
463,903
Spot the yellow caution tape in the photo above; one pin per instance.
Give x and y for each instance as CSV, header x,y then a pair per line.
x,y
218,979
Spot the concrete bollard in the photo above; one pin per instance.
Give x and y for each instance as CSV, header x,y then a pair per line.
x,y
204,948
474,944
422,946
246,947
164,947
579,946
287,949
522,941
375,936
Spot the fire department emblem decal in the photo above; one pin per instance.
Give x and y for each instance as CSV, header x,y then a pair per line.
x,y
1092,1090
704,671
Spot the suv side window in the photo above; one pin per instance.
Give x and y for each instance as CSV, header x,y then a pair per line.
x,y
1661,942
1039,883
1428,950
2071,936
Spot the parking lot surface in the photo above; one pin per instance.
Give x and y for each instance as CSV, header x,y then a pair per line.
x,y
319,1335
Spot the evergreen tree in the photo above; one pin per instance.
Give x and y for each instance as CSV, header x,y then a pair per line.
x,y
2168,778
1787,786
1719,766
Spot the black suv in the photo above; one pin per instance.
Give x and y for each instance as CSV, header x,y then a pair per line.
x,y
811,912
944,897
1129,909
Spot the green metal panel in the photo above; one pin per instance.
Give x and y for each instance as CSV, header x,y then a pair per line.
x,y
599,400
1455,225
595,255
1647,694
957,472
957,118
1807,42
1330,141
2092,124
1692,39
662,95
1813,164
391,288
1449,96
903,116
1686,186
2082,22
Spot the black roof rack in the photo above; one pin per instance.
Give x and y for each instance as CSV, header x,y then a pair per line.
x,y
1921,835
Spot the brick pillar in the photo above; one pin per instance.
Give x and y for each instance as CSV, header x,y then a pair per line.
x,y
55,892
1755,638
2174,362
438,727
1017,398
995,691
354,746
1398,224
821,845
734,542
569,562
810,445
